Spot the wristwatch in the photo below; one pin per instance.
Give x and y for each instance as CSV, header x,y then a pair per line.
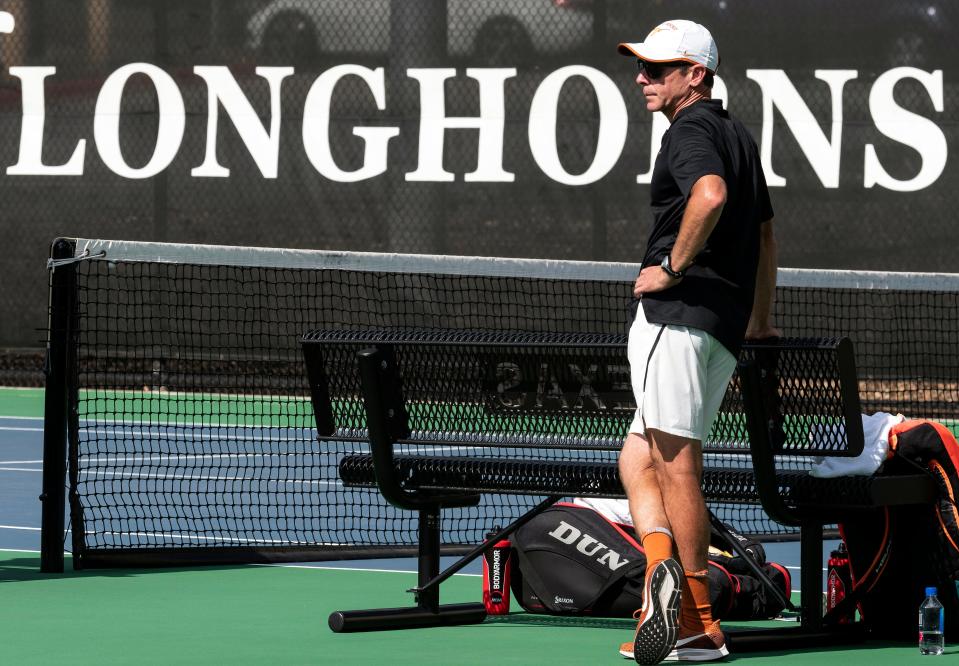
x,y
676,275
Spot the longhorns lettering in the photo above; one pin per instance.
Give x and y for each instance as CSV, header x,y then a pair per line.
x,y
821,148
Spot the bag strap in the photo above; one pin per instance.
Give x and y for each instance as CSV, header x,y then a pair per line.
x,y
724,532
531,576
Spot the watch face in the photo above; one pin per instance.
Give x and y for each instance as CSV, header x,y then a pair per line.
x,y
665,264
666,267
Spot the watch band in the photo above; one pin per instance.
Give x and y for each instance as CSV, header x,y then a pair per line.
x,y
666,266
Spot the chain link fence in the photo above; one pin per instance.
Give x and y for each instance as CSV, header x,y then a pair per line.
x,y
225,191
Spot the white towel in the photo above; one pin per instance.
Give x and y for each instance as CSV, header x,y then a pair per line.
x,y
615,510
875,430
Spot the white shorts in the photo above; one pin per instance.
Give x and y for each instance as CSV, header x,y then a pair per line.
x,y
679,376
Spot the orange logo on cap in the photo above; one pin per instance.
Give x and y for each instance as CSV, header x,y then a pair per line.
x,y
668,25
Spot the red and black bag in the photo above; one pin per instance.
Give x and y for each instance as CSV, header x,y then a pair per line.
x,y
571,560
896,552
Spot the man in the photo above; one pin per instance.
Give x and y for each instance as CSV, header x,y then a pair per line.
x,y
707,281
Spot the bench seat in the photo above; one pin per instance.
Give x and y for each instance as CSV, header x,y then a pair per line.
x,y
601,479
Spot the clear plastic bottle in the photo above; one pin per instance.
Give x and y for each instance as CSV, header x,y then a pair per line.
x,y
931,640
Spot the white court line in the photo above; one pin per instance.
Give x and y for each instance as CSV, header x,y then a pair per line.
x,y
182,477
190,436
20,462
91,423
198,537
14,429
268,454
21,418
326,568
254,564
19,527
160,457
285,566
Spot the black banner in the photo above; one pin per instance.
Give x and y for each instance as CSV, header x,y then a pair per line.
x,y
481,127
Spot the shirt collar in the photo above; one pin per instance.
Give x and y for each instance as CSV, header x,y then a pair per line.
x,y
714,105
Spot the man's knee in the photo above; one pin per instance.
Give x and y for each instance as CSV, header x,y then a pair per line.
x,y
634,460
675,456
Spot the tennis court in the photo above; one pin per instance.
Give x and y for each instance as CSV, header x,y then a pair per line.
x,y
257,615
265,614
206,444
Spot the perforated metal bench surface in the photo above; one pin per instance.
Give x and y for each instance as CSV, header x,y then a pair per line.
x,y
534,394
601,479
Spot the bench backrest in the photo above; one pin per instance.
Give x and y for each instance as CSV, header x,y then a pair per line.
x,y
570,391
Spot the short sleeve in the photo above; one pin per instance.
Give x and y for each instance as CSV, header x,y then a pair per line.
x,y
692,155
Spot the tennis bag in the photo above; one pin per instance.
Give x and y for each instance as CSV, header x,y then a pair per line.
x,y
571,560
896,552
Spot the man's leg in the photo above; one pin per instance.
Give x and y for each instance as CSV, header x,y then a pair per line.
x,y
678,462
641,483
658,627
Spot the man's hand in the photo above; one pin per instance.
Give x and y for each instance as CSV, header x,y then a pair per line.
x,y
762,331
653,278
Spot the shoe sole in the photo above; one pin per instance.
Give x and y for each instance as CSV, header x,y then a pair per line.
x,y
689,654
697,654
658,631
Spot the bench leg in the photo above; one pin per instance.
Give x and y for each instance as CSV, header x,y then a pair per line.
x,y
810,576
428,612
481,548
428,566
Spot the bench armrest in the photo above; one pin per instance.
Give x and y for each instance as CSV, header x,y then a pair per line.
x,y
820,393
807,395
386,422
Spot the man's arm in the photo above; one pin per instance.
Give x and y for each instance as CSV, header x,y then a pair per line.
x,y
705,205
760,321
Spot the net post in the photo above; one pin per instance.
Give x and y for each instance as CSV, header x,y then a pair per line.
x,y
56,407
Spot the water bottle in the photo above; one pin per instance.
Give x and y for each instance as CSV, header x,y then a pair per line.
x,y
839,583
496,569
931,640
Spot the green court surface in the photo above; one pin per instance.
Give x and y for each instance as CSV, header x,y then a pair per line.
x,y
277,615
21,402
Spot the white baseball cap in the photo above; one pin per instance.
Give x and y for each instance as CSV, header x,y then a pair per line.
x,y
676,40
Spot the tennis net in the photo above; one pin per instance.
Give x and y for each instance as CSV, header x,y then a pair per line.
x,y
178,385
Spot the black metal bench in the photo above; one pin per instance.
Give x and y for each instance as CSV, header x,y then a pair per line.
x,y
453,415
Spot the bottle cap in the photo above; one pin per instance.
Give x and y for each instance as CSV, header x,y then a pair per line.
x,y
930,591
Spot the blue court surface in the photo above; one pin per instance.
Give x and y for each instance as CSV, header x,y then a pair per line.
x,y
21,465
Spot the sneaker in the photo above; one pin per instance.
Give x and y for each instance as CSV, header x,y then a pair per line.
x,y
700,647
658,626
709,646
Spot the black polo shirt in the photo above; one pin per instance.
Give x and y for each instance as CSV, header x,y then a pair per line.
x,y
717,293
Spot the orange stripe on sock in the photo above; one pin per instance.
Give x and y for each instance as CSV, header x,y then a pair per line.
x,y
697,612
658,547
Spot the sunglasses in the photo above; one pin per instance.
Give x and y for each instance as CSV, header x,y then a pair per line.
x,y
655,70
